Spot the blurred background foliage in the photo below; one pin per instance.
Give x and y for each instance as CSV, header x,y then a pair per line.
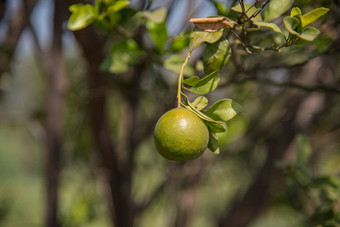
x,y
280,157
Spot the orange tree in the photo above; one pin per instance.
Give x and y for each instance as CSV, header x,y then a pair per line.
x,y
263,42
277,155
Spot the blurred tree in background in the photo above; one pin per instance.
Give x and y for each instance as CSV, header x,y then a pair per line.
x,y
78,111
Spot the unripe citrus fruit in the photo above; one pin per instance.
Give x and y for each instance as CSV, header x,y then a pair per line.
x,y
181,135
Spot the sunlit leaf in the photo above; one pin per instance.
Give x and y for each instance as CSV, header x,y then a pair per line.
x,y
216,55
309,33
276,9
197,37
271,26
175,62
117,6
203,86
295,12
192,81
82,16
313,15
292,24
157,16
213,143
223,110
200,102
201,115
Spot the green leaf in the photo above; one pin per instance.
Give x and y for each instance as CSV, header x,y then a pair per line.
x,y
271,26
158,15
276,9
213,143
216,55
292,24
175,62
249,12
325,181
223,110
197,37
117,6
203,86
295,12
158,34
200,102
238,7
122,57
201,115
216,127
309,33
303,151
180,42
192,81
82,16
313,15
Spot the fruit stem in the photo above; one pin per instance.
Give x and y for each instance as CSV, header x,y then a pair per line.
x,y
180,79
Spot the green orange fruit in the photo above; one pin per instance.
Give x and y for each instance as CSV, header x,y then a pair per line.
x,y
181,135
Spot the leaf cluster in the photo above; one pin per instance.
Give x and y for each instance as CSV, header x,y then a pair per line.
x,y
103,12
296,24
215,56
295,31
321,192
217,53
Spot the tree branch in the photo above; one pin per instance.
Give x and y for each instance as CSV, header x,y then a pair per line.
x,y
318,88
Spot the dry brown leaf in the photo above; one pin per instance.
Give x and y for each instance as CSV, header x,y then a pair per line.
x,y
211,24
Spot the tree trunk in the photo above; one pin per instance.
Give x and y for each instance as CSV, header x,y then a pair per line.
x,y
118,175
55,69
16,25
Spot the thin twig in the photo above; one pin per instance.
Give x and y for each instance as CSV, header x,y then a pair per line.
x,y
258,10
244,12
180,79
242,43
277,49
252,5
